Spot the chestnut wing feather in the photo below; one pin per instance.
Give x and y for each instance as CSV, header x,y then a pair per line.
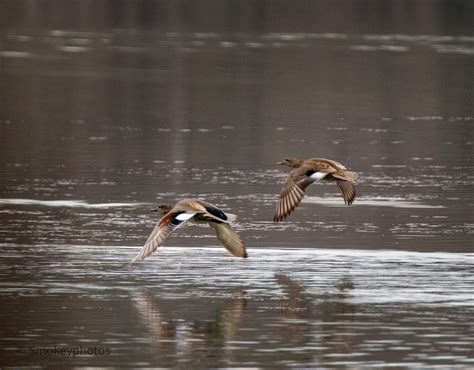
x,y
160,233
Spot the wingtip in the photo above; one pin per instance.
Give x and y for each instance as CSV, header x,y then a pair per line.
x,y
134,261
137,259
351,200
276,216
231,218
279,218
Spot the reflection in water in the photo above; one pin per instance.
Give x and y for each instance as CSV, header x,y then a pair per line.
x,y
209,333
179,334
294,303
295,308
295,311
330,312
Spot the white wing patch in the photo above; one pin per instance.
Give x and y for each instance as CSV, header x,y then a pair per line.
x,y
319,175
184,216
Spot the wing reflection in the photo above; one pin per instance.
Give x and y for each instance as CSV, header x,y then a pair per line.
x,y
198,334
303,315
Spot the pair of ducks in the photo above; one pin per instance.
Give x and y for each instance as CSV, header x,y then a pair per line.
x,y
305,173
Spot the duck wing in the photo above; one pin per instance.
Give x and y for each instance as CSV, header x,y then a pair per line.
x,y
294,189
348,190
344,181
346,175
322,163
229,239
339,173
163,229
216,213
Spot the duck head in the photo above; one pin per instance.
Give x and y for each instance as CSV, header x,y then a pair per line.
x,y
162,209
291,162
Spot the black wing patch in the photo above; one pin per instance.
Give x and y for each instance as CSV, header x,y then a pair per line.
x,y
216,212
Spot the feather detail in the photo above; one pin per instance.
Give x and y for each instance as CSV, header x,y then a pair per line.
x,y
194,210
231,218
307,172
346,175
347,190
229,239
291,196
160,233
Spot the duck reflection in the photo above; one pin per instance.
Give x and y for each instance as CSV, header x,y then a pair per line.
x,y
194,332
294,304
297,304
317,321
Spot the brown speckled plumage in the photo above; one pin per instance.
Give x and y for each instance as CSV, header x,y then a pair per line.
x,y
196,211
305,173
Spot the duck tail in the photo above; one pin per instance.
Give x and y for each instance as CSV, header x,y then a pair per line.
x,y
231,218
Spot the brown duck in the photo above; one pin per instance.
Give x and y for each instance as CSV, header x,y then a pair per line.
x,y
194,211
305,173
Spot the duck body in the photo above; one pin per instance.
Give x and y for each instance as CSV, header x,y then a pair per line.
x,y
306,172
195,211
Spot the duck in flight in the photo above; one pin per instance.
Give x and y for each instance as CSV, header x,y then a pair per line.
x,y
305,173
194,211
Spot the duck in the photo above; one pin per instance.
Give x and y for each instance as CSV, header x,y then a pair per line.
x,y
194,211
306,172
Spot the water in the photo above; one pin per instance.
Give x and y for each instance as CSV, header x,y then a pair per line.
x,y
103,116
294,307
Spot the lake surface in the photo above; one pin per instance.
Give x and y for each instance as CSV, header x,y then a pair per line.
x,y
198,306
108,109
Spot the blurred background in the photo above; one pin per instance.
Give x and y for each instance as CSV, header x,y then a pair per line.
x,y
137,102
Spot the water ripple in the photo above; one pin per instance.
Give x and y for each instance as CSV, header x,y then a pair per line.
x,y
66,203
285,307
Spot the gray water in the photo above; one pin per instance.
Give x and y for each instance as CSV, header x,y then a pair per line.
x,y
107,110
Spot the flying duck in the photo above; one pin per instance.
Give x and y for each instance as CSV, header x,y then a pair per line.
x,y
195,211
305,173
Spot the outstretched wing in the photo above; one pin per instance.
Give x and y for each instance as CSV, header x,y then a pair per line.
x,y
216,212
229,239
294,190
161,232
348,190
